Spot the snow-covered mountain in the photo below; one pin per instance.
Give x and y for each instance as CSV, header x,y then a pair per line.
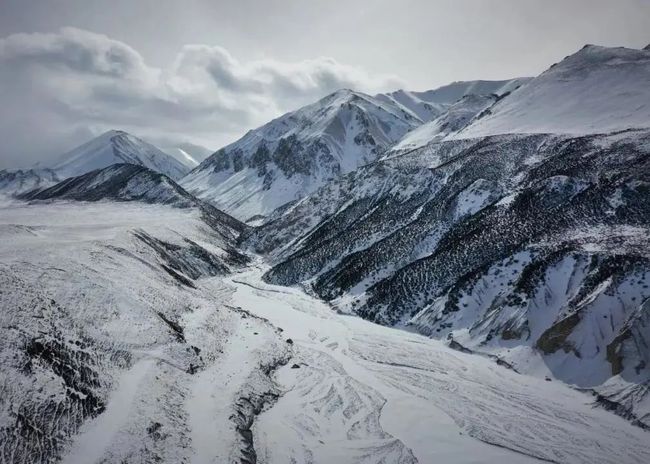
x,y
596,90
122,182
295,154
452,120
531,248
112,147
115,147
430,104
140,323
18,181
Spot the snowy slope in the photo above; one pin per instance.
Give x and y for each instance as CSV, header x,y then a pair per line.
x,y
595,90
127,336
530,248
18,181
183,156
104,317
430,104
295,154
370,394
117,147
453,119
187,153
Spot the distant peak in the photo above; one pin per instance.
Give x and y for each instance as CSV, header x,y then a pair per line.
x,y
597,55
647,47
115,132
588,49
110,135
341,94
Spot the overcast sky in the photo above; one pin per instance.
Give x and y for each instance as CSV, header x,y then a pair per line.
x,y
206,71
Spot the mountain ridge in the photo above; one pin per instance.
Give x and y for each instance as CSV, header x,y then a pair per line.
x,y
429,104
296,153
111,147
595,90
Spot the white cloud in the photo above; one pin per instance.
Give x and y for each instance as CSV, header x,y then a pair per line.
x,y
59,88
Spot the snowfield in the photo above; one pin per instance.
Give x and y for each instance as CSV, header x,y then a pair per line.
x,y
122,341
596,90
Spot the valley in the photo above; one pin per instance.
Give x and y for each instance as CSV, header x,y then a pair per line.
x,y
230,368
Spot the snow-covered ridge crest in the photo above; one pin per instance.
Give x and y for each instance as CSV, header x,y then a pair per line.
x,y
430,104
595,90
122,182
458,116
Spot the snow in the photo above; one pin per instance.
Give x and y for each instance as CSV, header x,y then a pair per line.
x,y
336,135
209,407
473,198
430,104
432,399
455,118
117,147
184,157
18,181
242,195
596,90
361,393
93,441
109,288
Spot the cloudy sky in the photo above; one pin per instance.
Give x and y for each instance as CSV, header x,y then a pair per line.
x,y
206,71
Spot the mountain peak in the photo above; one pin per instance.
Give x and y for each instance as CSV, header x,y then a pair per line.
x,y
344,92
595,90
109,135
117,146
342,96
298,152
595,54
113,132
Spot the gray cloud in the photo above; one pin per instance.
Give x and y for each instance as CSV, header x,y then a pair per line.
x,y
75,49
60,88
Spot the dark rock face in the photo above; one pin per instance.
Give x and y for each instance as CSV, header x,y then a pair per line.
x,y
118,182
129,182
192,261
513,240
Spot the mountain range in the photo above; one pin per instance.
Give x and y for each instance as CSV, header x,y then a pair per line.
x,y
493,238
109,148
